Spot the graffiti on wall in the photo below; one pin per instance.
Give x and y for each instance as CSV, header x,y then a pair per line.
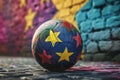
x,y
20,18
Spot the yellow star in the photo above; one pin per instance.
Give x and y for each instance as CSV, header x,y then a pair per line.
x,y
53,37
29,19
65,55
22,3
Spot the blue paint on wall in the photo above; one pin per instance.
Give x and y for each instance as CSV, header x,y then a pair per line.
x,y
99,24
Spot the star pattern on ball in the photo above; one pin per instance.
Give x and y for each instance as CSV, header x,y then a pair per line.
x,y
53,37
22,3
29,19
64,55
78,40
45,58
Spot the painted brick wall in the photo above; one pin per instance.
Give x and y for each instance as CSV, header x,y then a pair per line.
x,y
99,24
18,21
67,9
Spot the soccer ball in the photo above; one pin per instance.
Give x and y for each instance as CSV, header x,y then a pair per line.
x,y
56,45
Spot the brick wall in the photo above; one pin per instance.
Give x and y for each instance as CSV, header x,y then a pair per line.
x,y
99,24
18,21
3,36
67,9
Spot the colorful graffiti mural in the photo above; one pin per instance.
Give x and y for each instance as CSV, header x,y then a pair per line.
x,y
97,20
20,18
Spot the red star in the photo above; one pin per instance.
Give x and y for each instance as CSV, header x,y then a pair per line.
x,y
45,58
67,25
78,40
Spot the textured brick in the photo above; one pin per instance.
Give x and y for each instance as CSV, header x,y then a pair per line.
x,y
69,18
111,46
116,33
77,1
84,48
87,6
94,13
99,57
84,37
86,26
101,35
117,58
68,8
115,46
74,9
98,24
110,10
67,3
107,10
85,44
116,8
92,47
98,3
105,45
59,4
88,57
55,1
117,2
80,16
64,12
113,21
110,1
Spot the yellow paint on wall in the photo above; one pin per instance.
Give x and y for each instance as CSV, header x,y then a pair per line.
x,y
58,3
78,1
29,19
64,12
74,9
22,3
68,8
67,3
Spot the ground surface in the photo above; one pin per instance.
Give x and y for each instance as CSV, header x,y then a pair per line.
x,y
28,69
